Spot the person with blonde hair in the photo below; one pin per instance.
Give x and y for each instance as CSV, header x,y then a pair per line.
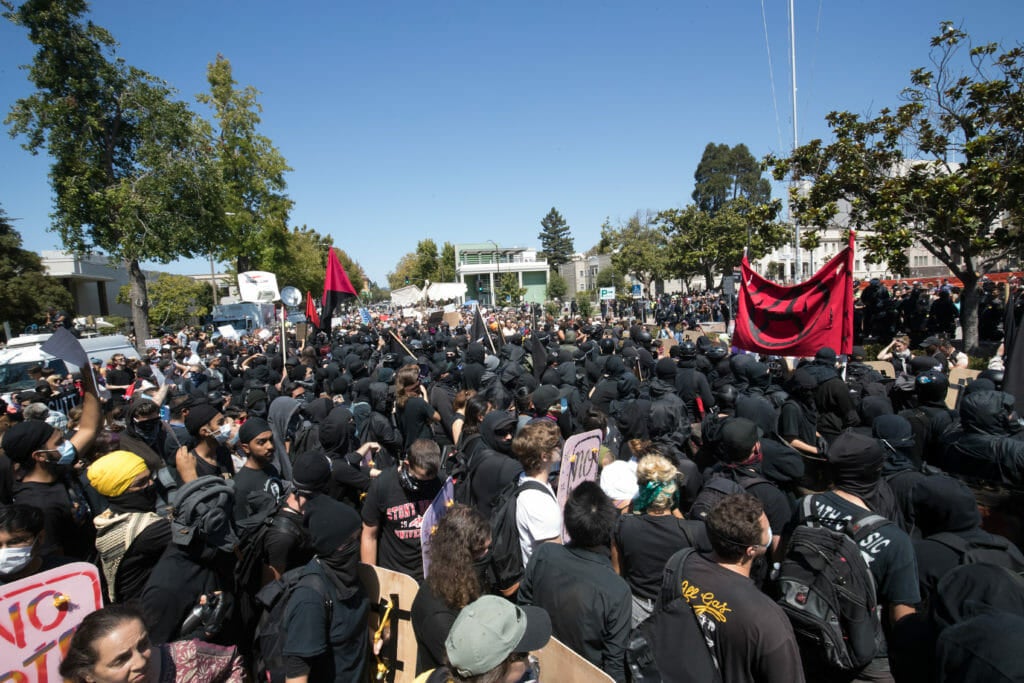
x,y
644,540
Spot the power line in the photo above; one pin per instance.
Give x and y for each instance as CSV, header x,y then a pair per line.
x,y
771,75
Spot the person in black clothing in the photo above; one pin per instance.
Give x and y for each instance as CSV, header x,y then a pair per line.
x,y
21,527
645,539
350,477
197,565
328,643
144,432
836,411
45,458
210,456
691,384
458,554
415,417
473,368
256,440
393,511
119,378
379,428
490,462
986,448
747,633
590,605
740,460
944,511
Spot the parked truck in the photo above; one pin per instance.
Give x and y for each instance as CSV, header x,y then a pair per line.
x,y
245,316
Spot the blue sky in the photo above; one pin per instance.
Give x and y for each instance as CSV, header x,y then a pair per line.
x,y
466,121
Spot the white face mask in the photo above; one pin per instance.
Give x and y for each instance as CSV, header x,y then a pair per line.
x,y
224,433
13,560
904,353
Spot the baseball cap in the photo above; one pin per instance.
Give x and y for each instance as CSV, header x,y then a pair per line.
x,y
491,628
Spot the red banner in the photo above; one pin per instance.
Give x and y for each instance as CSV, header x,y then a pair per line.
x,y
797,320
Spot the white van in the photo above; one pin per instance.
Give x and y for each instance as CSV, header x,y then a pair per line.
x,y
24,352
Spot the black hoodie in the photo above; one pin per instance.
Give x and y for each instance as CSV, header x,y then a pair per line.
x,y
985,449
490,466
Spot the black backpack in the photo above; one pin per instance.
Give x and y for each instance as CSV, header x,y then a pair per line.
x,y
995,550
269,642
828,592
717,488
669,646
506,551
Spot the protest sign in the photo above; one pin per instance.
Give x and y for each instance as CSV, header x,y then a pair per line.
x,y
152,344
580,458
228,331
38,616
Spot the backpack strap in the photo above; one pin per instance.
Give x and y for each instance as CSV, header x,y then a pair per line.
x,y
671,579
530,483
962,546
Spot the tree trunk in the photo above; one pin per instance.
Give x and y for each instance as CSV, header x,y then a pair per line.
x,y
709,280
969,299
140,304
242,264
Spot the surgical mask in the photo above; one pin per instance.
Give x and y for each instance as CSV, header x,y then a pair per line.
x,y
67,452
223,434
13,560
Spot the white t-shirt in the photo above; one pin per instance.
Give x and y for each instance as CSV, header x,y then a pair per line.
x,y
538,518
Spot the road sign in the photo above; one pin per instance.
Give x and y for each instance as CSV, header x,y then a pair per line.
x,y
607,293
638,291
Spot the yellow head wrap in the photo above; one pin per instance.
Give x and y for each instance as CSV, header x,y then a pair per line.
x,y
113,473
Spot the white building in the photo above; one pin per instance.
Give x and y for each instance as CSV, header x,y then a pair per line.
x,y
480,266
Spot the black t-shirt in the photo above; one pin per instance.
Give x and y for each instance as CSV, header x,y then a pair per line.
x,y
64,535
119,378
432,619
399,515
751,636
335,650
888,551
795,421
646,542
248,480
776,505
139,560
417,420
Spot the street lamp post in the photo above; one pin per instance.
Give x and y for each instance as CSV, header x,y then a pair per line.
x,y
497,266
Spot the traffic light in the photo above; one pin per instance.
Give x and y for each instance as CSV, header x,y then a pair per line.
x,y
406,280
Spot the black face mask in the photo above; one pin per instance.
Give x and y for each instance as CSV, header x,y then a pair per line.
x,y
148,430
143,500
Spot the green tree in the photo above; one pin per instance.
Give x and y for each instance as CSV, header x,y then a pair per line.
x,y
427,261
610,277
446,267
303,261
131,170
705,244
26,291
176,300
728,173
509,292
555,239
557,286
405,271
638,248
253,170
945,169
584,304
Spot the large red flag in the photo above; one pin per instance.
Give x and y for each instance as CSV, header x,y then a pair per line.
x,y
337,288
797,320
311,315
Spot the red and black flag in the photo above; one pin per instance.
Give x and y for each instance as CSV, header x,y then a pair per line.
x,y
337,289
312,316
798,320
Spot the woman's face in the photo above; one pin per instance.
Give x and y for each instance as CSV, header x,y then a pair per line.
x,y
122,655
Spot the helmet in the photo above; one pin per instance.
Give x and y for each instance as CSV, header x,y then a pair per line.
x,y
607,346
931,386
725,397
996,376
644,338
717,353
688,349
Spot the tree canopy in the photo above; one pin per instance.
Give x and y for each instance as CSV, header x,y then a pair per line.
x,y
302,262
945,169
555,239
131,170
423,264
725,174
509,292
175,300
26,291
252,169
637,248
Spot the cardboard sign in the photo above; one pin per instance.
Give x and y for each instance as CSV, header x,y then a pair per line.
x,y
228,331
453,318
398,652
580,463
443,501
558,662
38,616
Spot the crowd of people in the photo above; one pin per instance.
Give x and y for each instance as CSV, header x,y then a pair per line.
x,y
749,522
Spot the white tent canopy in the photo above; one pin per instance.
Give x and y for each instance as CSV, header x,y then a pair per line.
x,y
406,296
439,291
